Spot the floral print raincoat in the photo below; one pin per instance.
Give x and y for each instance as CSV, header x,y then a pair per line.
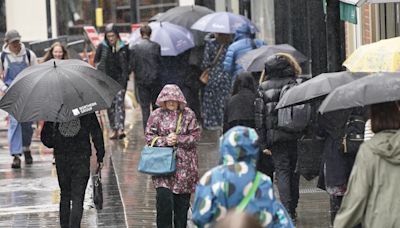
x,y
223,187
161,123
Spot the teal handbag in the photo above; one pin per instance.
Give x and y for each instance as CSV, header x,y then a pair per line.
x,y
158,161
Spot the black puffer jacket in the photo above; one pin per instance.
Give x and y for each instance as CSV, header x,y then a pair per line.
x,y
280,73
145,62
115,63
113,60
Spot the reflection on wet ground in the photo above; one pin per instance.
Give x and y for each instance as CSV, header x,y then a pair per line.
x,y
29,197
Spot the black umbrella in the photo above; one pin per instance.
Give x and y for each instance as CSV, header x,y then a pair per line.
x,y
186,16
373,89
316,87
254,60
58,90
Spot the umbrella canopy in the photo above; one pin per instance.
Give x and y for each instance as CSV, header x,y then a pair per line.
x,y
223,22
59,91
173,39
318,86
373,89
186,16
381,56
254,60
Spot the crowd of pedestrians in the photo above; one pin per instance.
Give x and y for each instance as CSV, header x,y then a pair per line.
x,y
254,149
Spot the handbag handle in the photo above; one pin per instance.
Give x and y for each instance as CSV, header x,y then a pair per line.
x,y
245,201
217,56
178,128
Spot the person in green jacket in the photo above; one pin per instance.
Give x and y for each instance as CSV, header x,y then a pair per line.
x,y
373,194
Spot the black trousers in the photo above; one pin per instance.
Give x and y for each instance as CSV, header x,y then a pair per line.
x,y
284,155
73,174
170,205
147,96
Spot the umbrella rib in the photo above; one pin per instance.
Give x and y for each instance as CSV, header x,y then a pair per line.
x,y
85,78
29,94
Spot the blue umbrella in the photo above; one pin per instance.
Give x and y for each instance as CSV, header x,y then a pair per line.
x,y
173,39
222,22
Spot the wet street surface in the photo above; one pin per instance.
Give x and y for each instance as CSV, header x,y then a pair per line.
x,y
29,196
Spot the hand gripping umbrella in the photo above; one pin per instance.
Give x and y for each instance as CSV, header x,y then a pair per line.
x,y
373,89
58,91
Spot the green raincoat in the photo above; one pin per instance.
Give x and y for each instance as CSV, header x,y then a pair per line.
x,y
373,195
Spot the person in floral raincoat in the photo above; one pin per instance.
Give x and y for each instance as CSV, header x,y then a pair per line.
x,y
222,188
219,81
173,191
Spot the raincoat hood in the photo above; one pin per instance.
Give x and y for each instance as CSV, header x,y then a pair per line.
x,y
239,144
171,92
111,28
6,49
242,32
387,145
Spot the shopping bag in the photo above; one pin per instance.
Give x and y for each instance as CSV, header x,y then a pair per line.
x,y
97,189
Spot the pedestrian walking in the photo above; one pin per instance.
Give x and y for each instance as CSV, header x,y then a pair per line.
x,y
372,197
218,86
224,187
336,162
112,57
56,51
15,58
173,191
242,43
281,69
72,150
145,62
239,108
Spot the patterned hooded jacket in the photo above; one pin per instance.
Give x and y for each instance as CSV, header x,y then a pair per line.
x,y
161,123
223,187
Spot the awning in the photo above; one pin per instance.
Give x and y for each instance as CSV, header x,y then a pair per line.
x,y
348,12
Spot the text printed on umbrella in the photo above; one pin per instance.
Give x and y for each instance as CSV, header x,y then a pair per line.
x,y
83,109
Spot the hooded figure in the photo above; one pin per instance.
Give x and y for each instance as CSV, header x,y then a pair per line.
x,y
112,57
223,187
372,197
242,43
173,191
281,69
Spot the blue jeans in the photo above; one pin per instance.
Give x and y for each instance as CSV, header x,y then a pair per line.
x,y
19,135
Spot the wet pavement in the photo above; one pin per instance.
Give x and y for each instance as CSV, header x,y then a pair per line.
x,y
29,197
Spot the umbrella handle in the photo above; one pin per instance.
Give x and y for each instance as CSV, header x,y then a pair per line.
x,y
262,77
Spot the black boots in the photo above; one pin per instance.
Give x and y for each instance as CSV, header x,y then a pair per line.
x,y
16,164
28,157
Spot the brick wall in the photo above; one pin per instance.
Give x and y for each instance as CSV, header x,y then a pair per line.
x,y
366,24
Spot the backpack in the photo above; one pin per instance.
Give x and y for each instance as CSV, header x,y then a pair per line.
x,y
3,56
293,118
354,134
